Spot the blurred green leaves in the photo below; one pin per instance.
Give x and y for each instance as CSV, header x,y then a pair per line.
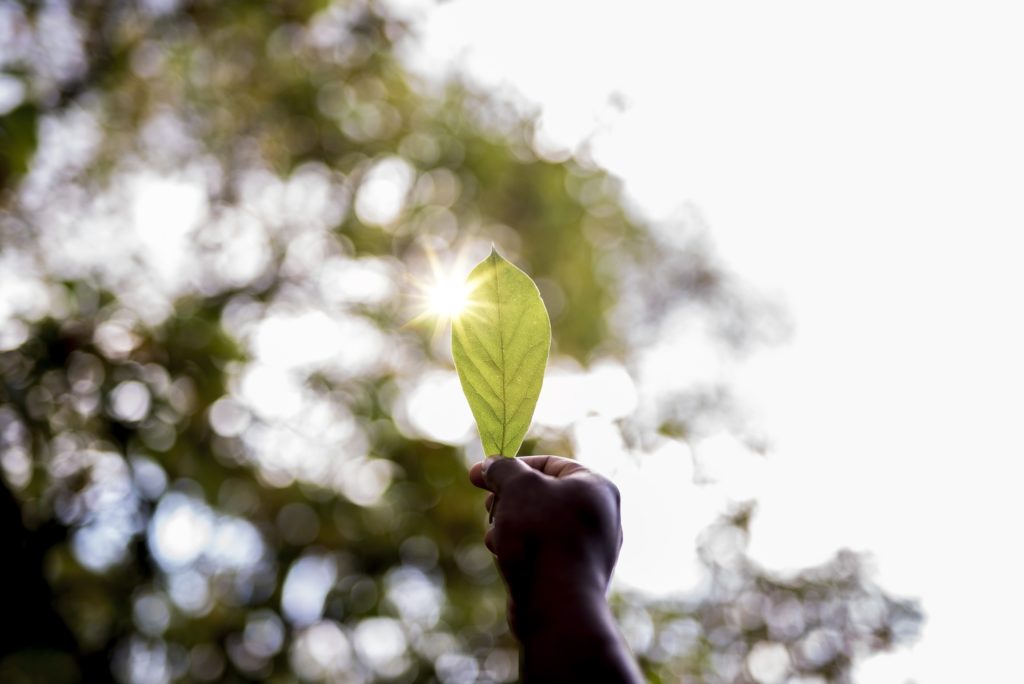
x,y
500,343
18,139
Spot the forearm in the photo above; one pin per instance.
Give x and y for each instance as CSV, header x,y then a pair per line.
x,y
575,640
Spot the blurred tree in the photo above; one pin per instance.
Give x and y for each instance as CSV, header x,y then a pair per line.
x,y
214,216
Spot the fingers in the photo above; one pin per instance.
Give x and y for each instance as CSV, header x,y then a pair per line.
x,y
554,466
499,470
476,476
489,503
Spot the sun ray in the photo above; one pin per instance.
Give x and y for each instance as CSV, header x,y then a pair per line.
x,y
444,294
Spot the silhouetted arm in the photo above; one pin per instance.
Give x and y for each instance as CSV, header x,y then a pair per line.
x,y
557,536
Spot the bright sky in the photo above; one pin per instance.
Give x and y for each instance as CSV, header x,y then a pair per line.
x,y
864,162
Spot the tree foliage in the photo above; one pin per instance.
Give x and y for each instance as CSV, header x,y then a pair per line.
x,y
185,184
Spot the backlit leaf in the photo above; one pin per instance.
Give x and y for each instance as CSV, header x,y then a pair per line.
x,y
500,343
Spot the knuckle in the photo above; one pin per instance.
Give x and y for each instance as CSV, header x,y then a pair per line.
x,y
596,490
615,493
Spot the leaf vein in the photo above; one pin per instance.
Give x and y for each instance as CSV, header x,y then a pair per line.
x,y
480,342
516,327
483,401
526,354
521,403
483,378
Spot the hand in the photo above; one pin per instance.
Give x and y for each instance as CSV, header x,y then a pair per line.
x,y
557,536
556,533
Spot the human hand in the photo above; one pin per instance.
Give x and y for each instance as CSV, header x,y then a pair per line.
x,y
556,533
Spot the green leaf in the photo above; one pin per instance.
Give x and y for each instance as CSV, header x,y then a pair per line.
x,y
500,343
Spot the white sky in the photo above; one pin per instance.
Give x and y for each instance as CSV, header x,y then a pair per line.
x,y
864,162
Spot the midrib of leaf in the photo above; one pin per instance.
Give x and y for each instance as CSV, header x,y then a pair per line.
x,y
501,350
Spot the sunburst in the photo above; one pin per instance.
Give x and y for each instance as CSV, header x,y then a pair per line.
x,y
444,294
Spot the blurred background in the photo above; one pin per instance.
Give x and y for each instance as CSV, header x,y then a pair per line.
x,y
779,264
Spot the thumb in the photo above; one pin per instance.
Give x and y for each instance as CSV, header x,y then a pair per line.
x,y
498,471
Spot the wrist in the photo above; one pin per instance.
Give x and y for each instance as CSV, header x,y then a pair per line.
x,y
574,640
566,617
563,593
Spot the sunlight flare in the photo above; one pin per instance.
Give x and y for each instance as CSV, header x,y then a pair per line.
x,y
444,294
448,297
